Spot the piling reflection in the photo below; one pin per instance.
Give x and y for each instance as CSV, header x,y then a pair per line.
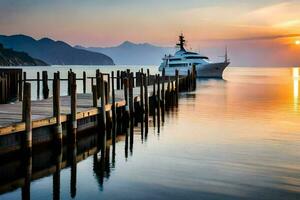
x,y
73,163
54,158
56,175
27,163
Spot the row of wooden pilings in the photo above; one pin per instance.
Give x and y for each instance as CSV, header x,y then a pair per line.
x,y
9,84
165,94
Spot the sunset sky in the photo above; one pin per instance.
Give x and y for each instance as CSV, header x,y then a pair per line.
x,y
268,25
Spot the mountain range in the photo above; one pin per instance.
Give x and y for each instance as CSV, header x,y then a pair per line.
x,y
9,57
54,52
129,53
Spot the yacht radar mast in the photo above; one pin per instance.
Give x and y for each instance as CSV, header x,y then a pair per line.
x,y
181,42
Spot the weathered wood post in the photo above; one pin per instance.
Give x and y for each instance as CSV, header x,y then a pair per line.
x,y
98,83
146,103
113,109
69,82
103,112
118,79
125,89
45,84
189,80
122,79
158,101
142,97
38,84
27,116
173,93
20,81
148,75
131,111
103,101
73,106
168,94
154,102
194,77
163,96
176,87
24,77
108,85
84,81
95,96
56,107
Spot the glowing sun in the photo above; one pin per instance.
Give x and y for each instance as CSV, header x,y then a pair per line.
x,y
297,42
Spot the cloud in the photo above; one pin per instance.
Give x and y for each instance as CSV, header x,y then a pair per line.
x,y
267,37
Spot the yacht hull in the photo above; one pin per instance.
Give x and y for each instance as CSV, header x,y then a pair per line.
x,y
211,70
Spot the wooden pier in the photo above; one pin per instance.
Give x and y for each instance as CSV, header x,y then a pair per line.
x,y
126,98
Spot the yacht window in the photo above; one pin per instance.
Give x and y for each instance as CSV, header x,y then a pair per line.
x,y
196,57
177,65
175,59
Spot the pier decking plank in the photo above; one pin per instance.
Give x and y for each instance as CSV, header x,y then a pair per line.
x,y
42,112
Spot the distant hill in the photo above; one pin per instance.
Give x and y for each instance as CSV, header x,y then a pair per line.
x,y
54,52
9,57
129,53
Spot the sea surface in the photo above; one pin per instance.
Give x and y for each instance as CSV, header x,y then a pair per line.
x,y
236,138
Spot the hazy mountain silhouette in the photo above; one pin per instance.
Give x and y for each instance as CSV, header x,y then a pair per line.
x,y
129,53
54,52
9,57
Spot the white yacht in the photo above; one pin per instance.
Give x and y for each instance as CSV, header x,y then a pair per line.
x,y
184,60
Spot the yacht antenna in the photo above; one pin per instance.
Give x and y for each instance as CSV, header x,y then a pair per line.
x,y
226,54
181,42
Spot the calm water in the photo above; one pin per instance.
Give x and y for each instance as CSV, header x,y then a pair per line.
x,y
237,138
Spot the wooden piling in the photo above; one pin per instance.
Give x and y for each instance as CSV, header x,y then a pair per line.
x,y
27,116
38,84
168,94
45,84
56,106
158,101
122,79
102,93
84,81
176,86
69,82
118,79
108,85
142,95
189,81
146,109
24,77
163,96
20,81
113,109
73,106
148,75
154,102
95,96
131,111
194,72
98,83
130,95
125,80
